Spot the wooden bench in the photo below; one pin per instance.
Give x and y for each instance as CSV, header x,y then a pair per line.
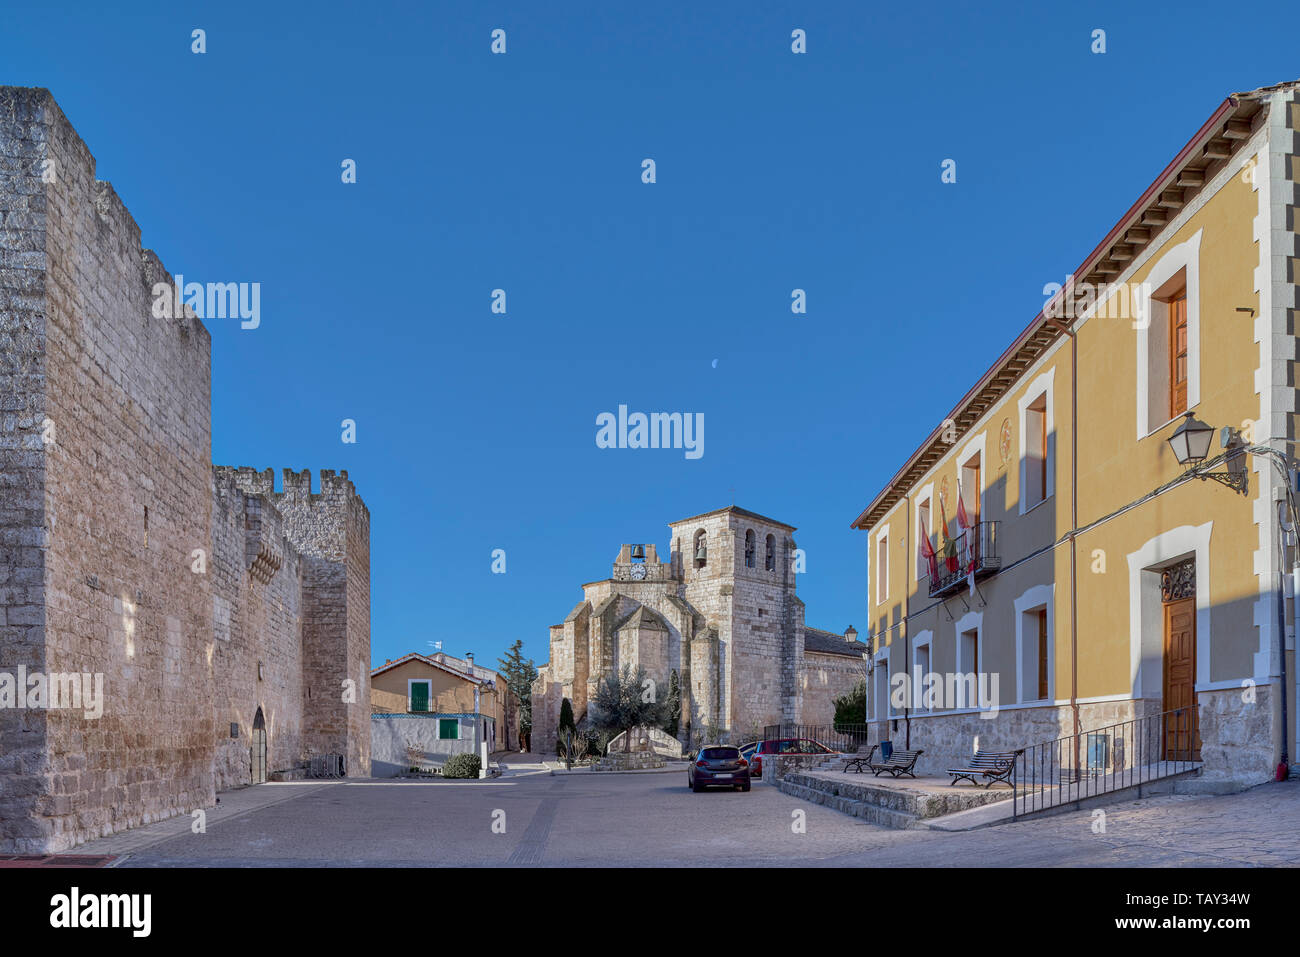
x,y
856,761
897,764
991,765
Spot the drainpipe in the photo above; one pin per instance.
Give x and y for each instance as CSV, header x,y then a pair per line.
x,y
1074,546
1295,592
1284,765
907,634
1074,524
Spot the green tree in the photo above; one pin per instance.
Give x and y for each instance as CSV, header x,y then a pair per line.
x,y
520,673
625,701
566,716
851,708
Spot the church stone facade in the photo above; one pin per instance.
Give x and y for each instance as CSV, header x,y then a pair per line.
x,y
222,617
722,612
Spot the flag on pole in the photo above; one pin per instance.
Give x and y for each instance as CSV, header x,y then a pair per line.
x,y
968,546
947,548
927,552
963,522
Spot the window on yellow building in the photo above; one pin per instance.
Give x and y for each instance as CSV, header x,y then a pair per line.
x,y
1168,350
420,693
971,488
882,569
1178,352
880,707
924,527
1035,431
920,668
1041,615
968,655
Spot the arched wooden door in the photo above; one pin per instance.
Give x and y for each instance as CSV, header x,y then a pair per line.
x,y
259,748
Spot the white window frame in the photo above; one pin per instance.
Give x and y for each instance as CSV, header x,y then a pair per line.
x,y
971,621
1184,256
924,639
1040,596
924,494
882,536
1044,384
428,682
1146,613
972,448
880,712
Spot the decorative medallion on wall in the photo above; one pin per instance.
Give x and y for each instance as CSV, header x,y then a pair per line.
x,y
1004,441
1178,581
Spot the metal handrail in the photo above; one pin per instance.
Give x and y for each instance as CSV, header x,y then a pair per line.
x,y
1090,763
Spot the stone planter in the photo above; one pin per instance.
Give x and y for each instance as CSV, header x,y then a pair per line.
x,y
633,761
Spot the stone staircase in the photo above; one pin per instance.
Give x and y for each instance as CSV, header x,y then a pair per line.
x,y
886,802
836,762
876,805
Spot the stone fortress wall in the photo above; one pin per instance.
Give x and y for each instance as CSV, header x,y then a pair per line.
x,y
198,595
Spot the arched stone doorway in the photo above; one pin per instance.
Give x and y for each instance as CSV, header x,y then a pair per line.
x,y
259,748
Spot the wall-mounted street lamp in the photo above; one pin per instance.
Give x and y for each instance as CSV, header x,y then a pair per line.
x,y
1191,445
1191,440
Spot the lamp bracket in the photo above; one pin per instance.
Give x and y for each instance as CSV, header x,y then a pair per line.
x,y
1237,481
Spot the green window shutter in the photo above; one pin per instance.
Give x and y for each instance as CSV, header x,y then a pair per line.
x,y
419,697
448,729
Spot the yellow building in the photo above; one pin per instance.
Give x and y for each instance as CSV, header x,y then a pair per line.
x,y
454,688
1100,582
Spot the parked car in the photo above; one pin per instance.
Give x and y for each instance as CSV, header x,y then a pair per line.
x,y
784,746
718,765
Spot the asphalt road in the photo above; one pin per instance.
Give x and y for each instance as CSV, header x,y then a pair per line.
x,y
632,820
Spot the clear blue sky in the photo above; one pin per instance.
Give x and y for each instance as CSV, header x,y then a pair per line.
x,y
775,171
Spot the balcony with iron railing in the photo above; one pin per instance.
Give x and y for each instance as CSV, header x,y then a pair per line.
x,y
976,551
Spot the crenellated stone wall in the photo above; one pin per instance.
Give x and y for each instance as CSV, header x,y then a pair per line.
x,y
111,431
192,598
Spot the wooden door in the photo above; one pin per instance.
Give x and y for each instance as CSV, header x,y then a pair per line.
x,y
1182,734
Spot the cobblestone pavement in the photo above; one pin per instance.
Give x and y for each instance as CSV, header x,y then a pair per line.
x,y
653,819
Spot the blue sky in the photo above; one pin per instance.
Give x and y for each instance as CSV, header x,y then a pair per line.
x,y
522,171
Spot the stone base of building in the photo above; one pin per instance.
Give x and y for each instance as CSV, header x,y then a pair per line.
x,y
1237,734
1238,729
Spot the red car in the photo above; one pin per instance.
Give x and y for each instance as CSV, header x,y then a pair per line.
x,y
783,746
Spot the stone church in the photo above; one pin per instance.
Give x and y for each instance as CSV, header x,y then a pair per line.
x,y
222,624
721,612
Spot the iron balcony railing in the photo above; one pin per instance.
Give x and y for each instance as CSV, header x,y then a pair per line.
x,y
977,551
1119,756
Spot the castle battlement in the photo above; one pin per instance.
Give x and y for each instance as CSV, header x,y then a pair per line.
x,y
335,487
232,669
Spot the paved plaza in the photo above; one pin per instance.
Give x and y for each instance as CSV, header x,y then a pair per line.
x,y
653,819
